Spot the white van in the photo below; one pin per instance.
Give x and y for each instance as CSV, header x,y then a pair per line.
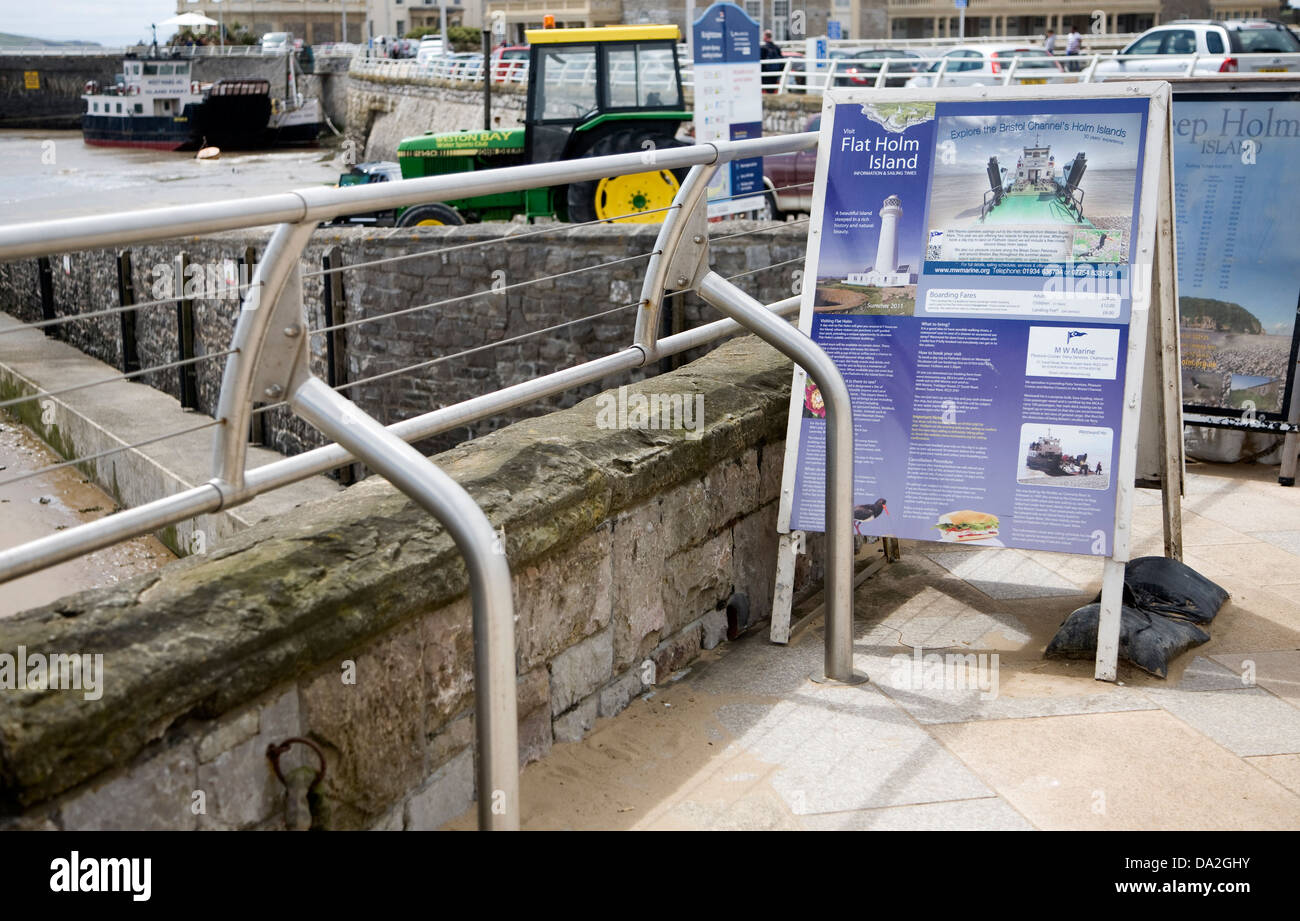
x,y
277,42
431,46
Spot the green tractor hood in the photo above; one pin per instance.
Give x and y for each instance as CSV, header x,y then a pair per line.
x,y
462,144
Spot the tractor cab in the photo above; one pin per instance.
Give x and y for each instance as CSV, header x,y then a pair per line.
x,y
591,92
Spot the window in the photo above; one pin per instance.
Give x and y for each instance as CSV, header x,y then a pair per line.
x,y
94,107
1214,42
780,20
568,85
642,75
1179,41
1147,44
139,108
119,108
1264,41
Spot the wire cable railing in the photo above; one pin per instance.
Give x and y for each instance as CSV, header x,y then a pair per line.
x,y
269,356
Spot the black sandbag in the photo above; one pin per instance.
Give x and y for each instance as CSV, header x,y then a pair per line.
x,y
1159,584
1149,640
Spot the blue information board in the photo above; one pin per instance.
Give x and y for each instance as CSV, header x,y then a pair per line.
x,y
728,100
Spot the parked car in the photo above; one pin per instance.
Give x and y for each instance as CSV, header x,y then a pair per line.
x,y
789,179
1222,46
510,64
987,65
365,174
861,68
277,42
431,47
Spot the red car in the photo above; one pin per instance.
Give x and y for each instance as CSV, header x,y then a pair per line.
x,y
789,179
510,64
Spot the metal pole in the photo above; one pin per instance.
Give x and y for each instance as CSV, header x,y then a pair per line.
x,y
489,576
487,77
343,12
961,22
749,313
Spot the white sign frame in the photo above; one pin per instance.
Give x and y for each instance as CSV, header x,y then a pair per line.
x,y
1153,434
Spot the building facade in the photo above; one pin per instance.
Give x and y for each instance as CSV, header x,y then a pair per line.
x,y
316,22
398,17
791,20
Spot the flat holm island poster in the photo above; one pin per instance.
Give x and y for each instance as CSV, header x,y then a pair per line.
x,y
973,276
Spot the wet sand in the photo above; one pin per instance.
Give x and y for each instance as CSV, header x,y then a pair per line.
x,y
55,174
42,505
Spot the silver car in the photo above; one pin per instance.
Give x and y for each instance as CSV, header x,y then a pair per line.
x,y
991,65
1207,46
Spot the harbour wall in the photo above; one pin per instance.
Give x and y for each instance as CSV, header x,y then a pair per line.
x,y
525,300
44,90
345,622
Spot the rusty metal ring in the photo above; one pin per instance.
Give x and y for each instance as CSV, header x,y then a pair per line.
x,y
274,752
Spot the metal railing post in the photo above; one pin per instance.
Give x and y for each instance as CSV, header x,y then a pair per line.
x,y
749,313
495,703
187,375
45,283
125,298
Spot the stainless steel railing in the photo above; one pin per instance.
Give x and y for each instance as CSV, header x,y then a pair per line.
x,y
268,361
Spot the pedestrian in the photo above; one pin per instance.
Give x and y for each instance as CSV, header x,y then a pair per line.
x,y
1049,43
1072,44
1098,468
772,62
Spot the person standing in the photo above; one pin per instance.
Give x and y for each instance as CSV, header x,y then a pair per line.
x,y
1072,45
1049,43
772,62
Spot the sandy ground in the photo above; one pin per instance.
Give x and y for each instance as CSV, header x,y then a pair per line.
x,y
54,174
743,738
41,505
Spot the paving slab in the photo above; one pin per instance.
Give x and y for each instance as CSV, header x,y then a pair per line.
x,y
1208,675
1277,671
1285,769
1003,574
988,814
936,619
1246,721
1287,540
841,749
1139,770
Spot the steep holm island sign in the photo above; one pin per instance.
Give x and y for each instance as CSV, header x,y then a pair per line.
x,y
971,274
1236,203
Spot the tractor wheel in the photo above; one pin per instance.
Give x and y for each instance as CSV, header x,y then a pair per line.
x,y
434,214
637,198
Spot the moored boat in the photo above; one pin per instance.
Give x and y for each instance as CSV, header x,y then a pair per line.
x,y
152,103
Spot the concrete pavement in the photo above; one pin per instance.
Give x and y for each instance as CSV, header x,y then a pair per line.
x,y
744,740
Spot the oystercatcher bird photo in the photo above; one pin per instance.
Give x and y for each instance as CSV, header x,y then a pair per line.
x,y
865,513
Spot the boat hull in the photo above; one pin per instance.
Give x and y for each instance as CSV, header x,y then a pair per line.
x,y
163,132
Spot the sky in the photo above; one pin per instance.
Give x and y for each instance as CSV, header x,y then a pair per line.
x,y
108,22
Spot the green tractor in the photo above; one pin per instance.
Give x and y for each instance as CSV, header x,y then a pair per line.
x,y
591,92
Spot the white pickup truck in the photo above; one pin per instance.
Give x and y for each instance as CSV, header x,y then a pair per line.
x,y
1194,47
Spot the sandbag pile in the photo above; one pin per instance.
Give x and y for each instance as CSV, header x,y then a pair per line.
x,y
1166,604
